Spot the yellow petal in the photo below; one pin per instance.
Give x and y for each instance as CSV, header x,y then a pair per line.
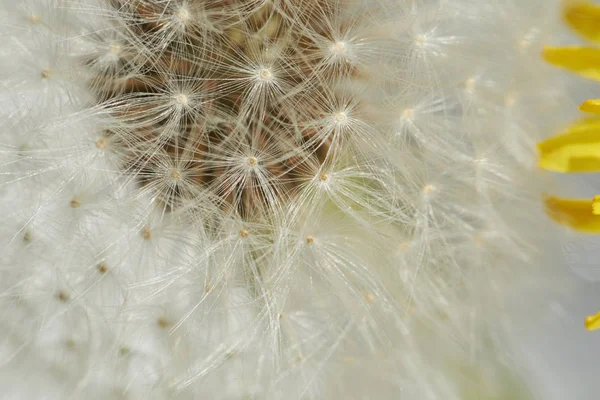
x,y
575,150
592,322
596,205
584,61
584,18
574,213
591,106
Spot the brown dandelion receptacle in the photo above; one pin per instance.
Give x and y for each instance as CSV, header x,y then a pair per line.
x,y
227,113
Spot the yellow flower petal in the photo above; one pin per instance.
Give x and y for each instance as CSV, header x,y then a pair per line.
x,y
574,213
584,18
584,61
592,322
596,205
575,150
591,106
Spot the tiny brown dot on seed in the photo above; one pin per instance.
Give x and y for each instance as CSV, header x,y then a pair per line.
x,y
62,296
123,351
75,203
324,177
162,322
369,298
252,161
46,73
27,237
244,233
102,268
146,233
310,240
34,19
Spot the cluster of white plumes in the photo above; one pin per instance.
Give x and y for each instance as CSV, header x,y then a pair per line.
x,y
267,199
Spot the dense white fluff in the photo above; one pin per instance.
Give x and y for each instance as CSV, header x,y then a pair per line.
x,y
267,199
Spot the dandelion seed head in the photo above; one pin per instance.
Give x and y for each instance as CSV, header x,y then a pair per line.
x,y
263,199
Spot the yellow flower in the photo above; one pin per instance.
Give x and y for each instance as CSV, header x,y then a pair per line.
x,y
578,148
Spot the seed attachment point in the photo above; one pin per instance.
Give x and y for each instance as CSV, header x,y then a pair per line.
x,y
265,75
